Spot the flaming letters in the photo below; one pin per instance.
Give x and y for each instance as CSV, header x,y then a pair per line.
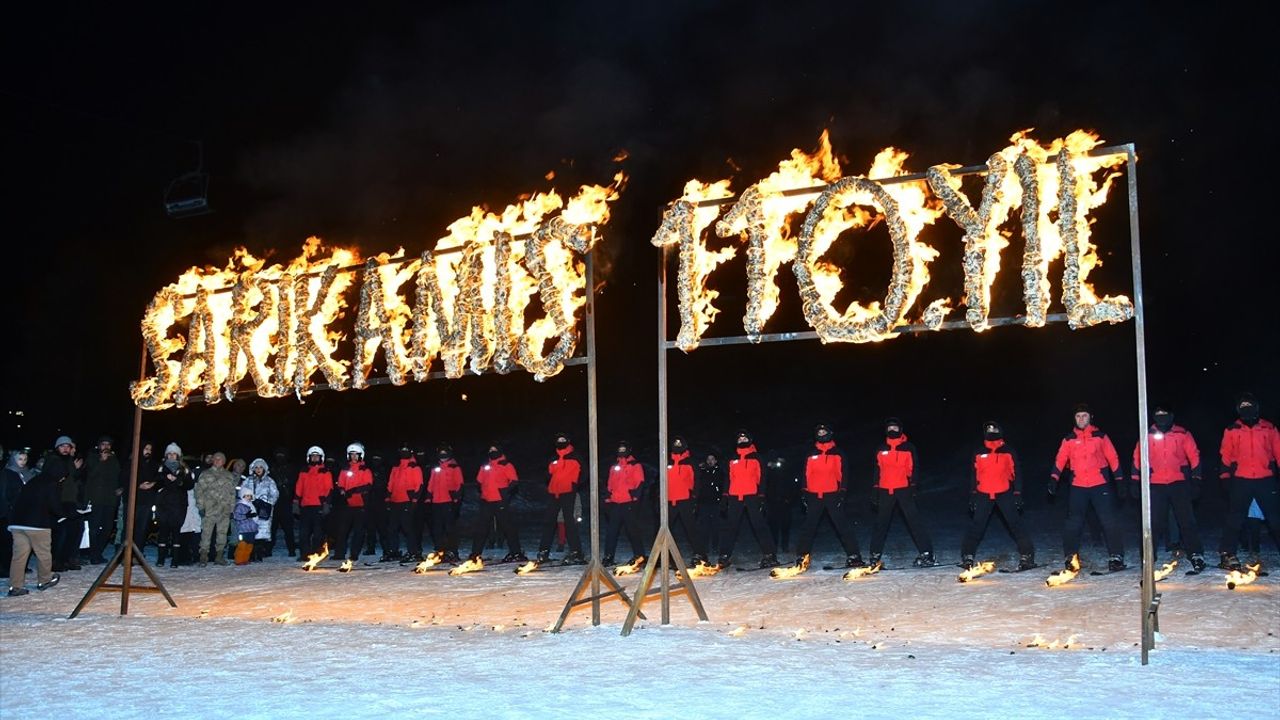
x,y
1044,180
466,303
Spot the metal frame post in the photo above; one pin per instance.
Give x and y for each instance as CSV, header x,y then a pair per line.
x,y
1150,598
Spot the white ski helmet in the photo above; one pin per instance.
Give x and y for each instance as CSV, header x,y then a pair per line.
x,y
355,448
315,450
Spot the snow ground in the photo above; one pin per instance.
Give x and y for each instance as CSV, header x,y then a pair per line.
x,y
381,641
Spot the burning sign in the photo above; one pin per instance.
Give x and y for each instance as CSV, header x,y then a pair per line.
x,y
463,302
1053,185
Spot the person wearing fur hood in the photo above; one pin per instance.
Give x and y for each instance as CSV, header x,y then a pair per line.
x,y
265,496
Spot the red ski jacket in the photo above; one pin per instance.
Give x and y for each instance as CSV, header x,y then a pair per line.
x,y
564,472
1088,453
405,484
1174,456
494,477
895,464
354,481
625,478
824,472
445,485
314,485
679,478
1250,452
995,469
744,473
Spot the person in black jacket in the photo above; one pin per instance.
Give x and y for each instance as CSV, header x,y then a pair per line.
x,y
35,512
286,476
103,488
172,480
782,493
67,471
17,472
709,487
997,483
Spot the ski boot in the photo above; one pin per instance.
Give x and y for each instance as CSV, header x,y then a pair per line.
x,y
574,558
724,561
854,561
1116,563
1026,562
543,556
204,558
697,559
875,560
924,560
1197,562
607,560
388,557
966,562
1229,561
769,561
452,557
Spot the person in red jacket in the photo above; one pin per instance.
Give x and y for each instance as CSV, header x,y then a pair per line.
x,y
824,494
1175,481
894,487
563,476
497,479
1088,453
1250,457
997,484
315,485
444,493
404,486
626,478
745,495
681,480
354,482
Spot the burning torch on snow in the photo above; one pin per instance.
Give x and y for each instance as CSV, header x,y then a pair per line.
x,y
316,558
1062,577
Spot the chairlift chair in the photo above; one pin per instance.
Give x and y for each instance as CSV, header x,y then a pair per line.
x,y
188,194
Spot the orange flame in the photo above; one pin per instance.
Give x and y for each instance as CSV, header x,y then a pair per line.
x,y
285,617
428,562
316,558
630,568
1061,577
977,570
702,569
861,572
1236,578
791,570
1164,572
346,566
471,565
1039,642
527,568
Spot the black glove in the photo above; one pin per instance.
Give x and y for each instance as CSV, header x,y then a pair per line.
x,y
973,504
413,496
1052,488
1018,504
804,505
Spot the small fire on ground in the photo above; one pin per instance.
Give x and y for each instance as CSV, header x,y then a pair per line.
x,y
428,562
1163,572
285,617
527,568
346,566
1062,577
1236,577
1039,642
977,570
630,568
791,571
316,558
861,572
471,565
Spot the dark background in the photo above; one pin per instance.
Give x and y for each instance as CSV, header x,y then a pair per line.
x,y
378,126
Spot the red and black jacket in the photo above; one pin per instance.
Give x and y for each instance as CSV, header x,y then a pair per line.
x,y
314,485
495,478
564,472
1090,456
824,470
679,478
1174,456
1250,453
625,478
995,470
354,482
405,483
445,485
895,464
745,474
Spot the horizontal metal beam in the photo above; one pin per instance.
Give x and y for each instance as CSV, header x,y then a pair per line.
x,y
813,335
912,177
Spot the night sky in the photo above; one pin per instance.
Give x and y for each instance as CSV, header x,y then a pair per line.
x,y
377,127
